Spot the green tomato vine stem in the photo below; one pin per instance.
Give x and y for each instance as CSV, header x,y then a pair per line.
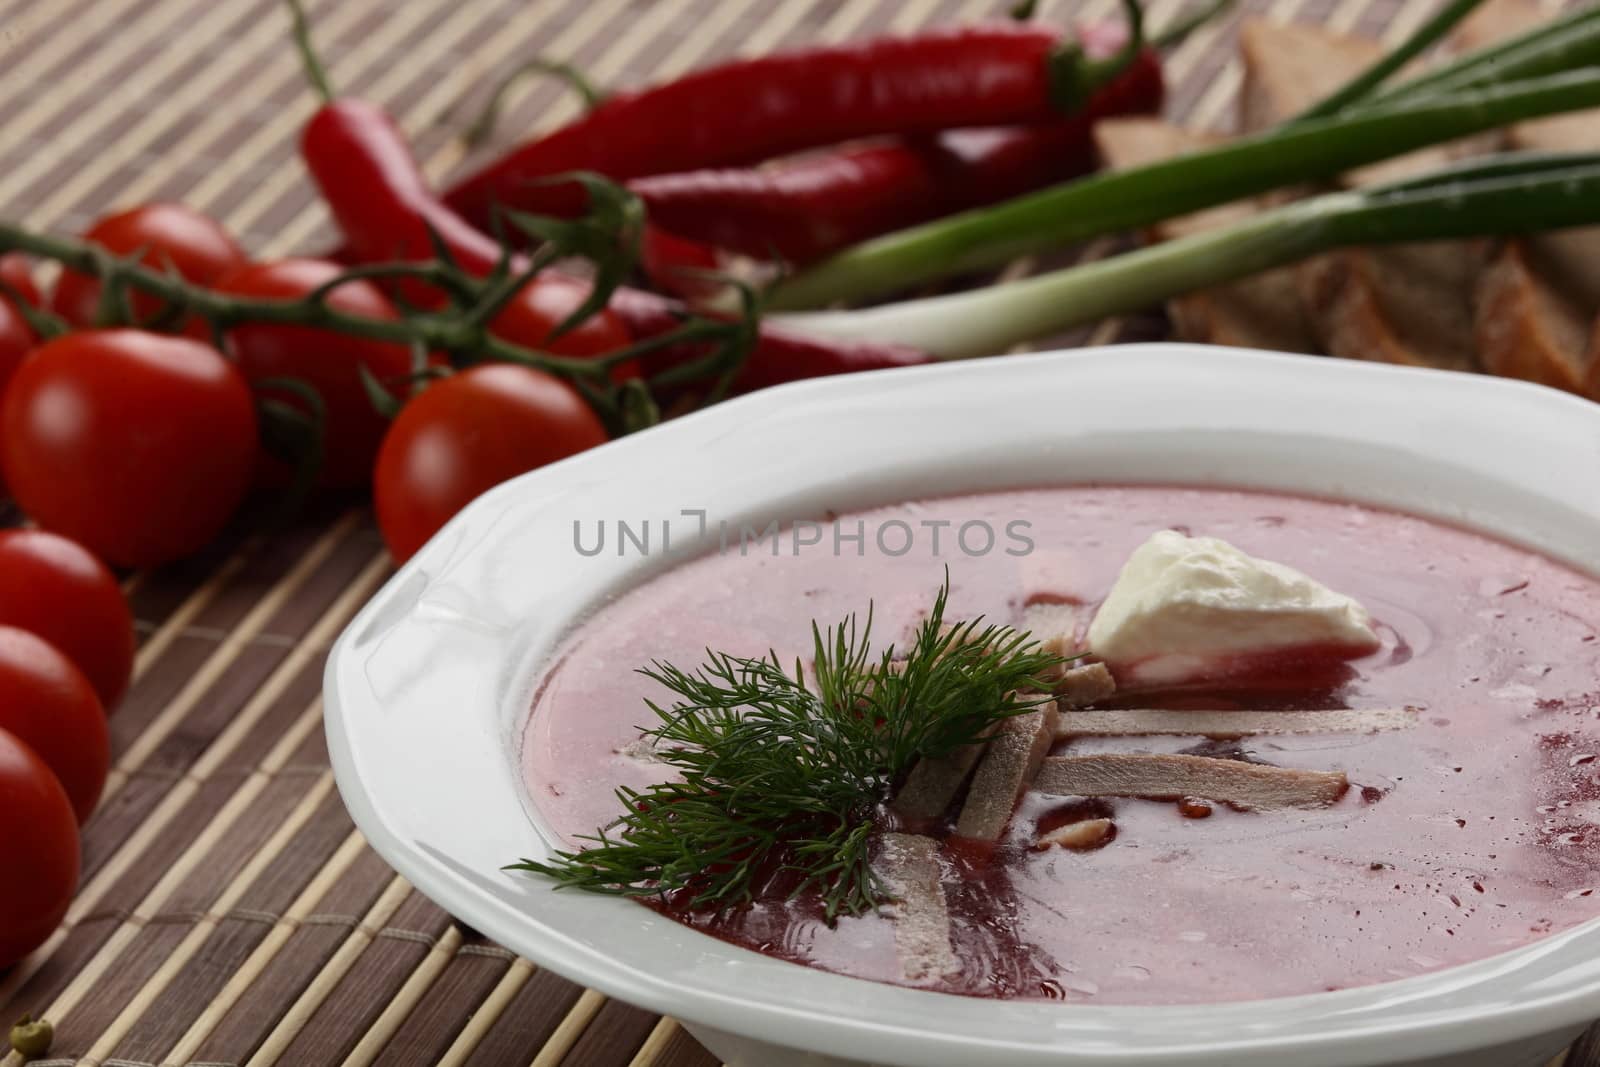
x,y
442,331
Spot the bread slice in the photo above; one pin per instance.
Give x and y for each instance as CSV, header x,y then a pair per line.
x,y
1537,301
1565,264
1496,20
1398,305
1536,297
1405,304
1490,23
1261,311
1288,67
1408,304
1526,327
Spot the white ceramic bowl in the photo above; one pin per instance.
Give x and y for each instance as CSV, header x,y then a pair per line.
x,y
428,689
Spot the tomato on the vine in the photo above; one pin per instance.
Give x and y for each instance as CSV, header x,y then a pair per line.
x,y
18,275
466,434
57,589
172,237
327,361
16,336
39,840
137,445
47,704
543,304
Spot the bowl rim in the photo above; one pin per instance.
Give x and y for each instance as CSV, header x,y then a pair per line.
x,y
1425,416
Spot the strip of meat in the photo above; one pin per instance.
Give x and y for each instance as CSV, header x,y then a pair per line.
x,y
1262,311
907,867
1230,725
1005,771
1249,786
934,783
1085,684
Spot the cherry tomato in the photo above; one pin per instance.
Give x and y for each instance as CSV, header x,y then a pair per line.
x,y
16,336
466,434
173,237
329,362
137,445
57,589
15,272
48,705
543,304
39,840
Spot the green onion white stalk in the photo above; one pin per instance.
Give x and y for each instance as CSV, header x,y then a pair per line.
x,y
1500,195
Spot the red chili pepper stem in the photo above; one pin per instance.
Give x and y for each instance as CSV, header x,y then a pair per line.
x,y
1074,77
482,127
316,73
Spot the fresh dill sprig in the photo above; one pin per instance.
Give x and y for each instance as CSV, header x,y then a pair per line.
x,y
778,773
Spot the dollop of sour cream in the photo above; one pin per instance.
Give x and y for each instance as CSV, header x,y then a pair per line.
x,y
1185,608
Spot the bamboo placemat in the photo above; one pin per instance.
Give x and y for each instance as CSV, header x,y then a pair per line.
x,y
229,912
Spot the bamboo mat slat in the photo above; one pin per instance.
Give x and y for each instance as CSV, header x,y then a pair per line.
x,y
229,913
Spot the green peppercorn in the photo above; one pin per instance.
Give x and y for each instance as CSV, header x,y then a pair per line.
x,y
31,1038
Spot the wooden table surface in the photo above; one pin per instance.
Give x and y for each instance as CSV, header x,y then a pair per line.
x,y
229,912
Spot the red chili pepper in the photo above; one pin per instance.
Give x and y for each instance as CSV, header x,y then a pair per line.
x,y
780,355
380,199
678,266
753,109
379,196
805,208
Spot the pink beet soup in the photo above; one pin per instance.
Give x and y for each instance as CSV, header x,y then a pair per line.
x,y
1474,832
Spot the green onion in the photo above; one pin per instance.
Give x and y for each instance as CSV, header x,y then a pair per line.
x,y
1140,196
1362,85
1498,195
1504,165
1564,43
